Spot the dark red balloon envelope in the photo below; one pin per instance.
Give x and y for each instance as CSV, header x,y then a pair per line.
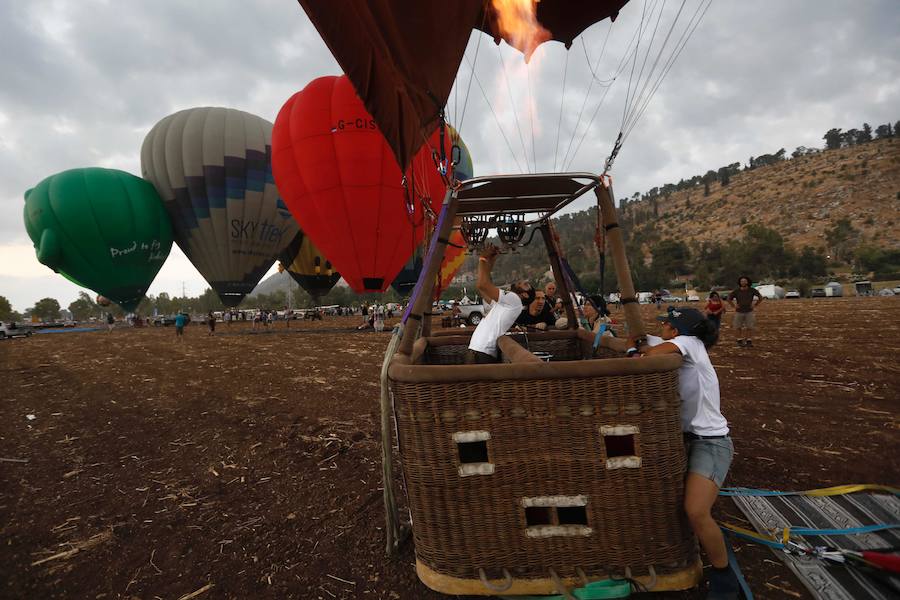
x,y
338,176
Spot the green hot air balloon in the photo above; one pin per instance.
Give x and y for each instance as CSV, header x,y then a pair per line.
x,y
102,229
212,169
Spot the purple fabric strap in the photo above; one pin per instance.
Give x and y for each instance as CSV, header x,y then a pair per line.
x,y
431,250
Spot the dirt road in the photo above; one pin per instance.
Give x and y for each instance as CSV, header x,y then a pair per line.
x,y
137,467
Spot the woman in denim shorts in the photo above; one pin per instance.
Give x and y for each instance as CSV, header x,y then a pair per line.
x,y
688,332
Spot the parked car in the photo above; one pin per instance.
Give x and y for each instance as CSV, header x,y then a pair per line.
x,y
10,329
817,293
673,299
887,292
693,298
472,313
896,290
792,294
166,320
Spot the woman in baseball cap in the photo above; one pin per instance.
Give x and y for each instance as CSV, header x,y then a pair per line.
x,y
709,448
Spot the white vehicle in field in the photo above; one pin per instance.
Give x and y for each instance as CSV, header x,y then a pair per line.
x,y
770,291
472,313
792,294
10,329
693,298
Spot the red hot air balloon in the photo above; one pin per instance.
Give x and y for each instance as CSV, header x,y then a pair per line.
x,y
338,176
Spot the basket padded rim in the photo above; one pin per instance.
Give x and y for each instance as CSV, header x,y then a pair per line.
x,y
401,370
684,579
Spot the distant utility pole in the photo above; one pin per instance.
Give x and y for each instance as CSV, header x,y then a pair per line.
x,y
183,294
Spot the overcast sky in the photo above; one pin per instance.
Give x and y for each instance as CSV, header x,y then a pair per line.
x,y
83,81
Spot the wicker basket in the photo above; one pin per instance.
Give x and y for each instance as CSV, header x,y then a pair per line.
x,y
561,345
515,469
526,476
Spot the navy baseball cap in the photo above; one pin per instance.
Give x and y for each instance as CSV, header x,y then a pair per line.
x,y
684,320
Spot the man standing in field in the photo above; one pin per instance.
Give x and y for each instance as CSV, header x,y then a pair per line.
x,y
747,299
180,322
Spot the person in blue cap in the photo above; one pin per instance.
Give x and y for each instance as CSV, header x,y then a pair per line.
x,y
688,332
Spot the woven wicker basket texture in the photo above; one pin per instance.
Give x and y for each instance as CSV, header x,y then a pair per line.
x,y
560,349
545,440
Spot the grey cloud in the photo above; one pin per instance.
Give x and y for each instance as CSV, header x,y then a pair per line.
x,y
755,77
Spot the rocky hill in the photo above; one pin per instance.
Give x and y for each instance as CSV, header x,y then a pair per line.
x,y
800,198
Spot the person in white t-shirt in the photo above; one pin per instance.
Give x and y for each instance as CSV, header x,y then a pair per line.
x,y
506,307
688,332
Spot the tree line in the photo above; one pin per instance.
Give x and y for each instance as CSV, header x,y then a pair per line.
x,y
85,307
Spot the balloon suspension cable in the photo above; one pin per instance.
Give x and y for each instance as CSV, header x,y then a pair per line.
x,y
410,202
612,156
439,276
600,242
530,238
442,127
566,273
439,157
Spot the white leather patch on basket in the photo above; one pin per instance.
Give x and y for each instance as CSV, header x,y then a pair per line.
x,y
471,436
543,531
580,500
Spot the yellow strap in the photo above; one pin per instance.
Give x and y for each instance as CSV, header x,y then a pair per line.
x,y
785,535
849,489
747,532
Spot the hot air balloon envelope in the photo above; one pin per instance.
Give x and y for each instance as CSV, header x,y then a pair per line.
x,y
212,169
308,267
103,229
336,173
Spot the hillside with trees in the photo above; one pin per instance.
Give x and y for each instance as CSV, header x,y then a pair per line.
x,y
780,217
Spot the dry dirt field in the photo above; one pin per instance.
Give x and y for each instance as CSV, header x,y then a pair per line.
x,y
248,465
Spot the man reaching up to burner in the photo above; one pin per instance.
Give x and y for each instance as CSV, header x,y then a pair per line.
x,y
506,308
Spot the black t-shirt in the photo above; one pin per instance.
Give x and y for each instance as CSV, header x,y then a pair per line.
x,y
545,316
744,299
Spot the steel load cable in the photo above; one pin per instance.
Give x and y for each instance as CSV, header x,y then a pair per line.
x,y
512,105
